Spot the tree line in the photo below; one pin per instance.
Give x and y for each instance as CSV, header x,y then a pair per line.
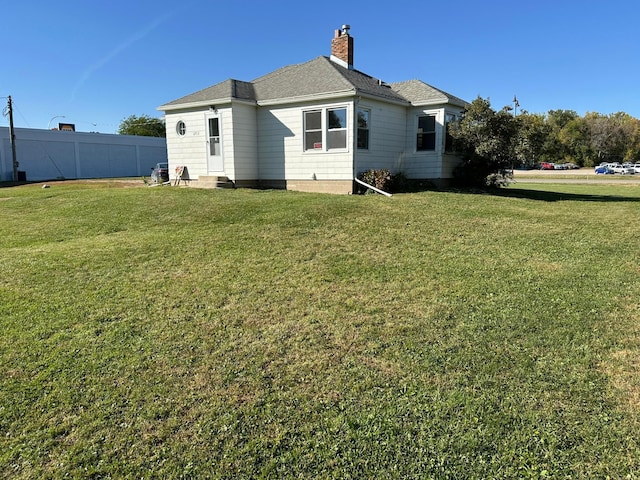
x,y
142,125
491,142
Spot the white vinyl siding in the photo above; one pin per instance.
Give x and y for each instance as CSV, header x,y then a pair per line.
x,y
241,162
387,137
425,163
281,147
189,149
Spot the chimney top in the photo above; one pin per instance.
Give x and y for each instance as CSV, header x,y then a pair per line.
x,y
342,47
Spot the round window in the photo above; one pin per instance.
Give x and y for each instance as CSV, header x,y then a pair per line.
x,y
181,128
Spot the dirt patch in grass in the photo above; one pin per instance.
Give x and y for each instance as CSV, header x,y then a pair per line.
x,y
112,182
623,369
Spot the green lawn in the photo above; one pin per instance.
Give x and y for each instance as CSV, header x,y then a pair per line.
x,y
185,333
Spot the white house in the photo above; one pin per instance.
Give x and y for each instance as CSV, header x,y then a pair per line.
x,y
312,127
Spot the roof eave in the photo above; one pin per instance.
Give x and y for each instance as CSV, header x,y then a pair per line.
x,y
203,103
443,101
380,98
309,98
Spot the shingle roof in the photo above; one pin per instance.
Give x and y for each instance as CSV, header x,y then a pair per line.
x,y
319,76
419,93
226,90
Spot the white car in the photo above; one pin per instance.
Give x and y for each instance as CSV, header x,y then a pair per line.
x,y
636,168
623,170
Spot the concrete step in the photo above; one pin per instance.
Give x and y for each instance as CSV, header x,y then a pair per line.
x,y
212,181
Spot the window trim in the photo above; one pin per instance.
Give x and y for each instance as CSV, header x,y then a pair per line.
x,y
306,130
181,128
324,129
338,129
434,132
447,141
214,141
367,129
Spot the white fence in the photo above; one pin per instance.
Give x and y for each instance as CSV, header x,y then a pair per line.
x,y
55,154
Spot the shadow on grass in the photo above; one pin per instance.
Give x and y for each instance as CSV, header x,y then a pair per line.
x,y
8,184
547,196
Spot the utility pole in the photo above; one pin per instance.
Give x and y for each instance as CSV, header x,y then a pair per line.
x,y
12,138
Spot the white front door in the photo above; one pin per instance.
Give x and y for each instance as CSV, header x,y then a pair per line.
x,y
215,163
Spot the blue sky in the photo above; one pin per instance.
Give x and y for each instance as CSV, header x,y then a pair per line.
x,y
96,63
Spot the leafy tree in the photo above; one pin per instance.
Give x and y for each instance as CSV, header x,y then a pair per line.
x,y
574,138
143,125
533,132
554,148
633,149
491,142
621,129
485,140
602,139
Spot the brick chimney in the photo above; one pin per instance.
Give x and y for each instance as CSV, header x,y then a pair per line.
x,y
342,48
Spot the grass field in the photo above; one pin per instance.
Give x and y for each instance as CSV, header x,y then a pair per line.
x,y
185,333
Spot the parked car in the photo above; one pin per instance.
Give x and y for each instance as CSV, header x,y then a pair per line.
x,y
571,166
546,166
636,168
160,173
604,170
623,170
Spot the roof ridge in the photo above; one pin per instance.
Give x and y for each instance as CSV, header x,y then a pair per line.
x,y
338,69
197,92
368,84
280,71
319,76
406,81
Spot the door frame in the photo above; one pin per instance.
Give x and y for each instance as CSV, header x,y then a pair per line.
x,y
215,165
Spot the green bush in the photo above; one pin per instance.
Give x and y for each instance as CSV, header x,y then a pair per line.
x,y
386,181
378,178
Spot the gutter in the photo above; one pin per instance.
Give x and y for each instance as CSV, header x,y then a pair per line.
x,y
308,98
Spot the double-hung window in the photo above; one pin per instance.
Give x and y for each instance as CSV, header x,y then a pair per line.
x,y
325,129
363,129
336,128
449,118
426,138
313,130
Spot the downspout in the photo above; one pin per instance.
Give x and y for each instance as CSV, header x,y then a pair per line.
x,y
354,141
386,194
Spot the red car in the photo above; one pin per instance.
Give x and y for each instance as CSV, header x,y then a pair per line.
x,y
547,166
